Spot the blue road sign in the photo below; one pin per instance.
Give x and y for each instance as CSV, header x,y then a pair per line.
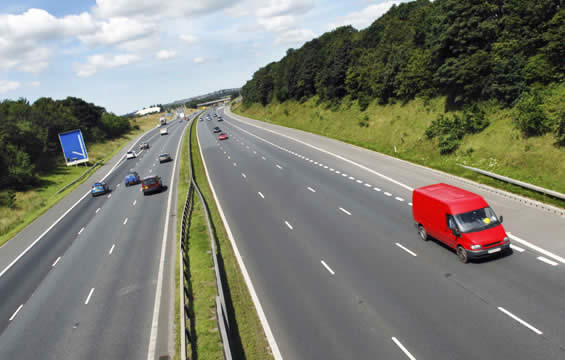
x,y
74,147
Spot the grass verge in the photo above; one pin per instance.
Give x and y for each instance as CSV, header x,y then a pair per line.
x,y
398,130
250,342
33,203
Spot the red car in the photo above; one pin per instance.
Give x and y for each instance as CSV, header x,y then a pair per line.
x,y
460,219
222,137
152,184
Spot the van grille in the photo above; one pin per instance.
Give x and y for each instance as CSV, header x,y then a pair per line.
x,y
492,244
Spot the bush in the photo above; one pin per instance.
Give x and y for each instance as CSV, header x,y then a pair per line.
x,y
530,118
8,199
364,102
560,130
451,129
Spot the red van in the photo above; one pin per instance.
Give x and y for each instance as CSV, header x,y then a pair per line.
x,y
460,219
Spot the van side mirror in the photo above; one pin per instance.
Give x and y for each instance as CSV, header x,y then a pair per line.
x,y
456,232
501,218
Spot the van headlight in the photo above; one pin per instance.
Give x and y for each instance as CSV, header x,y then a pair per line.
x,y
476,247
506,239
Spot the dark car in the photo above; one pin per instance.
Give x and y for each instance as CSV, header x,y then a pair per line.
x,y
99,188
144,146
165,157
152,184
220,119
132,179
217,130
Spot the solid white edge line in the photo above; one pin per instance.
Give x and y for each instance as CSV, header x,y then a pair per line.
x,y
81,230
261,194
16,312
345,211
288,225
406,249
537,248
547,261
262,317
327,267
89,296
111,249
56,261
404,350
155,321
520,320
234,116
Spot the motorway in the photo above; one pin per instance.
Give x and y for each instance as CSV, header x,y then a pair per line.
x,y
336,263
88,288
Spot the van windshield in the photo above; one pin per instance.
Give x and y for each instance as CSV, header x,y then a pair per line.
x,y
476,220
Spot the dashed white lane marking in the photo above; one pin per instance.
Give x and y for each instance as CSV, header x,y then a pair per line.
x,y
244,176
332,169
376,189
368,185
150,170
262,157
312,190
410,204
288,225
325,166
359,181
56,261
109,196
280,167
338,172
399,198
234,164
254,152
134,202
80,231
97,210
404,350
229,157
344,175
311,160
261,194
16,312
351,178
315,163
517,248
520,320
345,211
547,261
387,194
89,296
327,267
406,249
126,221
118,185
225,153
111,249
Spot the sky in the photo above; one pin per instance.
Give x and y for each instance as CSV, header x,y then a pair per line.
x,y
125,55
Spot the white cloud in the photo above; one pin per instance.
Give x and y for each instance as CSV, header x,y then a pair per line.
x,y
22,37
277,23
362,19
96,62
204,60
158,8
35,84
118,31
295,36
190,39
285,7
166,54
8,85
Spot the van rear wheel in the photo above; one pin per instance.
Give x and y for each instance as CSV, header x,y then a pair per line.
x,y
462,254
422,233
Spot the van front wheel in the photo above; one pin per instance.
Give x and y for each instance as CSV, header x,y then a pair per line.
x,y
462,254
422,232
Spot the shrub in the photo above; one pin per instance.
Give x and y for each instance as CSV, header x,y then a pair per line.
x,y
530,118
560,130
7,198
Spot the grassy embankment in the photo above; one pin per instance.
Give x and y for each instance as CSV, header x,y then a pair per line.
x,y
33,203
500,148
251,342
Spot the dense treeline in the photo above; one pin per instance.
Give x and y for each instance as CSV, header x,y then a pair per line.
x,y
469,51
29,142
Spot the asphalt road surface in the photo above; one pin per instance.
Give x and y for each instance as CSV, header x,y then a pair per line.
x,y
87,290
334,257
